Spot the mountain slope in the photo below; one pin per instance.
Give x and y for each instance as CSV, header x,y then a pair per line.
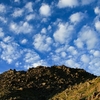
x,y
89,90
40,83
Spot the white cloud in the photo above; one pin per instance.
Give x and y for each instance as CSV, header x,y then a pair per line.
x,y
29,6
24,41
10,52
79,43
39,63
17,1
85,58
88,37
97,53
43,30
32,59
63,54
76,17
2,8
63,33
72,50
4,20
55,58
42,42
67,3
86,2
97,10
7,39
49,27
72,63
97,25
18,12
94,66
1,33
22,27
30,17
31,56
45,10
73,3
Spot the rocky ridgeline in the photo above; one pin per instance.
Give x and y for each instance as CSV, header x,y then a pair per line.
x,y
40,83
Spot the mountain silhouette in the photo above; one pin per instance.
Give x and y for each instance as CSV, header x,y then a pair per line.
x,y
41,83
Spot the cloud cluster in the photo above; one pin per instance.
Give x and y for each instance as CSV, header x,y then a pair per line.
x,y
18,12
48,33
63,33
9,50
67,3
76,17
87,37
42,42
2,8
22,27
73,3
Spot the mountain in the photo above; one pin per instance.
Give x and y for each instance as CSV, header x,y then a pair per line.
x,y
49,83
90,90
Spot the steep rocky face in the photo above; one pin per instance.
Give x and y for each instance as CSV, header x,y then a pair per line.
x,y
40,83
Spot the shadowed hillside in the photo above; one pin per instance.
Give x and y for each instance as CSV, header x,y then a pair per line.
x,y
90,90
41,83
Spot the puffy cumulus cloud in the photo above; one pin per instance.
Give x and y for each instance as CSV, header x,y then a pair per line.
x,y
43,30
77,17
72,50
31,56
2,8
7,39
63,54
22,27
95,53
3,19
73,3
94,65
56,59
24,41
17,1
31,59
42,42
9,52
85,58
79,43
1,33
40,62
86,2
63,33
18,12
87,36
67,3
49,27
97,10
29,6
30,17
72,63
97,25
45,10
61,49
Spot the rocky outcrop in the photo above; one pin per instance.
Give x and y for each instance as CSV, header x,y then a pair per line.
x,y
40,83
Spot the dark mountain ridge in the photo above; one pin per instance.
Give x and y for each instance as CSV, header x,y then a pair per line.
x,y
40,83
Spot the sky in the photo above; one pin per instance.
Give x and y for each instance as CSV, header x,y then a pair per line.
x,y
50,32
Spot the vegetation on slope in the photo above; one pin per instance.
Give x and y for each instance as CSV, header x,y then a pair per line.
x,y
90,90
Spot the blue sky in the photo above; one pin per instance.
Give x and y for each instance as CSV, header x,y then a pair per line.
x,y
50,32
